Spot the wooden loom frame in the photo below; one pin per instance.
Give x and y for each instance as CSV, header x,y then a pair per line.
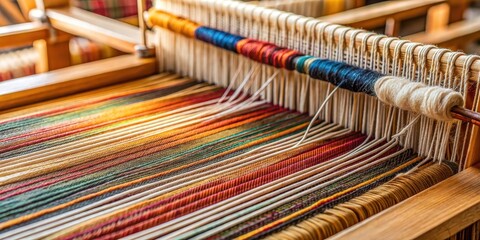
x,y
388,14
448,206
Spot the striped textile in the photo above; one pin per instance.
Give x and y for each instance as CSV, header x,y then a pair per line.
x,y
110,8
21,63
84,50
163,156
18,63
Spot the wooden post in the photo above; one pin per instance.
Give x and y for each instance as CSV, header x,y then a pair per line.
x,y
12,11
26,6
473,151
457,9
54,53
334,6
392,27
438,18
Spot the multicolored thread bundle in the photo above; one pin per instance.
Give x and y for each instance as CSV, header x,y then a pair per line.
x,y
434,102
162,157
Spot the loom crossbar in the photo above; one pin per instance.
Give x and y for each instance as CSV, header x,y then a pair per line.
x,y
116,34
22,34
62,82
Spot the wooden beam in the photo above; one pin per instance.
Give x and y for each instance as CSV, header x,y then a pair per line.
x,y
26,6
436,213
376,15
54,84
119,35
22,34
455,35
473,151
12,11
3,20
56,3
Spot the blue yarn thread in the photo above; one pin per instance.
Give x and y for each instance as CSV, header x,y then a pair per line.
x,y
218,38
347,76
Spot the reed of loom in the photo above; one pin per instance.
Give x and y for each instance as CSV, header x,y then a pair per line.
x,y
460,188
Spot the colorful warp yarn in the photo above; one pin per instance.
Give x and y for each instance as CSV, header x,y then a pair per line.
x,y
434,102
144,160
347,214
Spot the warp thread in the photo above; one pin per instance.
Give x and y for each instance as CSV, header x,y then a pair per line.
x,y
434,102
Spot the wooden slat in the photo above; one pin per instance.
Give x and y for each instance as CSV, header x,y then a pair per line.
x,y
22,34
436,213
473,151
437,18
458,8
3,20
376,15
456,33
55,3
45,86
119,35
26,6
53,55
12,11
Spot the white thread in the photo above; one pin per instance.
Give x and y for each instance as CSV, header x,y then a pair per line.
x,y
432,101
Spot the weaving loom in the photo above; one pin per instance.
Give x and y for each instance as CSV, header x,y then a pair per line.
x,y
249,123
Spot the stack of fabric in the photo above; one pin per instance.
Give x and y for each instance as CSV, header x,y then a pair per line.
x,y
18,63
169,157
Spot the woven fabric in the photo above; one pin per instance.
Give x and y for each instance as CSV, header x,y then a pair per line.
x,y
110,8
84,50
125,159
17,63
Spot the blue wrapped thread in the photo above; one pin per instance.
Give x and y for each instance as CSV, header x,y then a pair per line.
x,y
352,78
348,77
218,38
204,34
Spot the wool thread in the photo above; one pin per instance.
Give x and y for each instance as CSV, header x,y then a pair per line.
x,y
434,102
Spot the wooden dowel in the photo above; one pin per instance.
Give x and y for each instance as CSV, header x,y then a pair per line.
x,y
22,34
121,36
54,84
466,115
141,22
